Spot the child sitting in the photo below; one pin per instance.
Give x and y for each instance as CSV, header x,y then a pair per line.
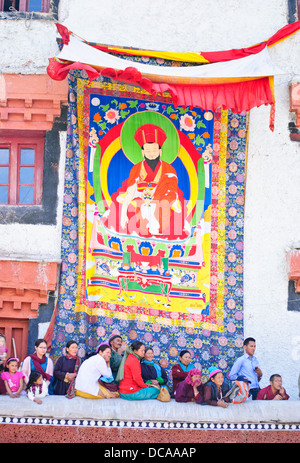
x,y
37,387
13,379
215,389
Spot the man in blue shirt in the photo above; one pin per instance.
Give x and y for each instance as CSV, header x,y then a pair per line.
x,y
247,365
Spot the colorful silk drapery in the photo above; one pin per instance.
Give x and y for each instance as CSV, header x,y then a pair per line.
x,y
239,84
182,292
237,79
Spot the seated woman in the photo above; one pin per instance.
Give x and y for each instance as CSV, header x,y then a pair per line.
x,y
65,371
152,372
131,383
39,362
94,379
215,389
190,389
180,370
275,390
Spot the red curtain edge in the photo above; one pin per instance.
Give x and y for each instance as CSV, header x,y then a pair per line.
x,y
59,70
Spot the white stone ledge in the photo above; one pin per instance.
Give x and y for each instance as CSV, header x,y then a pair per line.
x,y
61,408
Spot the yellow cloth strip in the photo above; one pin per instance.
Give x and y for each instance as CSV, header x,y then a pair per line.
x,y
271,82
185,57
189,57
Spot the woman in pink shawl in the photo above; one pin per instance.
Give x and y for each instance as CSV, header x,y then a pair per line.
x,y
190,389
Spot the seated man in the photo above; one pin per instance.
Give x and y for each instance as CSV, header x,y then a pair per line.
x,y
274,391
117,351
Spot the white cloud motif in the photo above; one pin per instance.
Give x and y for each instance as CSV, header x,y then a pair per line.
x,y
95,101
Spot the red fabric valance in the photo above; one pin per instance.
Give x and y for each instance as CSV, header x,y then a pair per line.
x,y
58,70
237,96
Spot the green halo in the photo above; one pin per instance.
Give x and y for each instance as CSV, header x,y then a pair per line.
x,y
131,148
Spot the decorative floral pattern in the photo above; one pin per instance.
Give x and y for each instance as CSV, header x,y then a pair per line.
x,y
187,123
112,115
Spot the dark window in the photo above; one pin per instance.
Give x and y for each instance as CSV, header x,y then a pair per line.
x,y
293,297
25,5
29,10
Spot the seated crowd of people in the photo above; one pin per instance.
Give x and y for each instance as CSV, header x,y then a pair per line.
x,y
130,373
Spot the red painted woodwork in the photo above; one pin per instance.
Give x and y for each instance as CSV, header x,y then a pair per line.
x,y
30,102
24,285
17,330
293,258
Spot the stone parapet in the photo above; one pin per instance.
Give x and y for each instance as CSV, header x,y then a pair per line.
x,y
59,419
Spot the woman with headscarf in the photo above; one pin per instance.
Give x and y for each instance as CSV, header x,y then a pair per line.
x,y
190,389
65,371
181,368
131,383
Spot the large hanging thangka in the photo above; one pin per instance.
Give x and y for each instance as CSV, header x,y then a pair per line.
x,y
152,243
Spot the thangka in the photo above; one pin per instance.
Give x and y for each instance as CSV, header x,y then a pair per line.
x,y
152,239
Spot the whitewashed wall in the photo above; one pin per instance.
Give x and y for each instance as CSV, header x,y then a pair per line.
x,y
272,219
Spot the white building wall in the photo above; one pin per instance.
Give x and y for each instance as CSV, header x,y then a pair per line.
x,y
272,213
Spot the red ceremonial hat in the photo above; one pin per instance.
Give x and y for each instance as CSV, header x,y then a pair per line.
x,y
150,133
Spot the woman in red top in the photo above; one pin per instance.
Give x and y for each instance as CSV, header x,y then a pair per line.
x,y
131,383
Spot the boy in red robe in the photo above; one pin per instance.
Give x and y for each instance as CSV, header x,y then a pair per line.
x,y
274,391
